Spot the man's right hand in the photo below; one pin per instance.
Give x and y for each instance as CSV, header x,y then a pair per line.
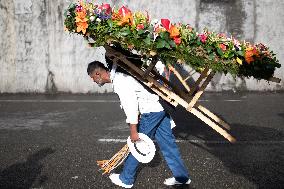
x,y
133,133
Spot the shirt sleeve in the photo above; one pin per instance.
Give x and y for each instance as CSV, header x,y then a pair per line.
x,y
129,103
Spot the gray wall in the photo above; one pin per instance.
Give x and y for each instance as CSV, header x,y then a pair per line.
x,y
38,56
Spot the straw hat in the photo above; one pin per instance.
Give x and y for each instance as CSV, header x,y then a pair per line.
x,y
143,150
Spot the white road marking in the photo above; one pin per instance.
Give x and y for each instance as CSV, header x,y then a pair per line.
x,y
93,101
112,140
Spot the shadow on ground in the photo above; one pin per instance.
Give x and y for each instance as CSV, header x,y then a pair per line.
x,y
258,154
26,174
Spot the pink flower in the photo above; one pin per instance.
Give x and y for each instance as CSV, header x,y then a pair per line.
x,y
202,37
223,47
222,35
105,7
177,40
140,27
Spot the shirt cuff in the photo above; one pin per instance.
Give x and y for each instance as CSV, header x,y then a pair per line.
x,y
132,120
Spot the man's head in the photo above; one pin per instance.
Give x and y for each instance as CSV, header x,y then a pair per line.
x,y
98,72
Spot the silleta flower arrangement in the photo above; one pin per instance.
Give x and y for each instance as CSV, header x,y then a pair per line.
x,y
172,43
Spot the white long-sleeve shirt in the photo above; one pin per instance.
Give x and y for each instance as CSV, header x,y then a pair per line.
x,y
134,98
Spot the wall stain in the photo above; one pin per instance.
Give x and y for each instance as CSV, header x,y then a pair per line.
x,y
50,84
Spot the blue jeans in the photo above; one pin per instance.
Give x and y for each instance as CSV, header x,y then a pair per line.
x,y
157,126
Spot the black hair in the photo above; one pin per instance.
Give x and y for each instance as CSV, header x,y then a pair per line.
x,y
95,65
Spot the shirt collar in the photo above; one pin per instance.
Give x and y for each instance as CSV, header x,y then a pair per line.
x,y
112,72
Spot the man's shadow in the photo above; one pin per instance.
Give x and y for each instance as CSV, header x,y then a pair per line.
x,y
258,154
24,175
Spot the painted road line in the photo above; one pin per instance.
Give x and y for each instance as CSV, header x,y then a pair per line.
x,y
92,101
64,101
112,140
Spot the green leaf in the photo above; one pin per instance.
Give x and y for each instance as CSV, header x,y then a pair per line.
x,y
212,56
167,45
209,49
140,32
161,43
165,35
110,23
147,41
125,32
220,52
241,53
172,43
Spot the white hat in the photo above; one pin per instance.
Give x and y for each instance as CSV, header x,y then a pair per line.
x,y
143,150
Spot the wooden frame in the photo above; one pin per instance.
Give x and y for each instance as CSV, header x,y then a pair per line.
x,y
172,94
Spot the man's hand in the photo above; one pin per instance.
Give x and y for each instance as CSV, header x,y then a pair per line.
x,y
133,133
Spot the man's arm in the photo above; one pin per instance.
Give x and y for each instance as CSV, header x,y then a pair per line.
x,y
133,132
129,103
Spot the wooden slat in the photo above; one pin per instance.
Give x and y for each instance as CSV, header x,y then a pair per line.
x,y
180,78
212,116
197,83
213,125
200,91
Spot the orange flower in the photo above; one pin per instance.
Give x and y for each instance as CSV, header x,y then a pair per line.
x,y
81,22
127,19
174,32
250,52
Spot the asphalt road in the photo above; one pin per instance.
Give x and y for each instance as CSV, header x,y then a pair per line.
x,y
54,141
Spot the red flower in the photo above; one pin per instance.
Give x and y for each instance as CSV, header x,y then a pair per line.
x,y
166,23
174,32
177,40
140,27
202,37
123,11
223,47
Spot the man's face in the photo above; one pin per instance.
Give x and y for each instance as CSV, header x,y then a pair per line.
x,y
100,76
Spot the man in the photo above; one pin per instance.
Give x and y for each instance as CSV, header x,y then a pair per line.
x,y
153,121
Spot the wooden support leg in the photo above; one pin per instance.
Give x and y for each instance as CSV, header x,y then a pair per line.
x,y
180,78
213,116
200,91
206,120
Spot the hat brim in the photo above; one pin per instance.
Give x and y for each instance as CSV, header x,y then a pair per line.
x,y
144,143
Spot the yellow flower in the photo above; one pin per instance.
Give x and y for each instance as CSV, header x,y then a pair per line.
x,y
239,61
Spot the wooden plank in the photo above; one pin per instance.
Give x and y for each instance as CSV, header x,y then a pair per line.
x,y
197,83
180,78
212,116
213,125
200,91
190,74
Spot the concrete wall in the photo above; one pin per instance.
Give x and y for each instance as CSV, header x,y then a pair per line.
x,y
38,56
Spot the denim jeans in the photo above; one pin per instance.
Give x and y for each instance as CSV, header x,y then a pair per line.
x,y
157,126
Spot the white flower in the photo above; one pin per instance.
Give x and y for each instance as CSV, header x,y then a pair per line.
x,y
92,18
98,20
154,22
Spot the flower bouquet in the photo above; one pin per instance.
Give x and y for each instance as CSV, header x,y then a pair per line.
x,y
172,43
